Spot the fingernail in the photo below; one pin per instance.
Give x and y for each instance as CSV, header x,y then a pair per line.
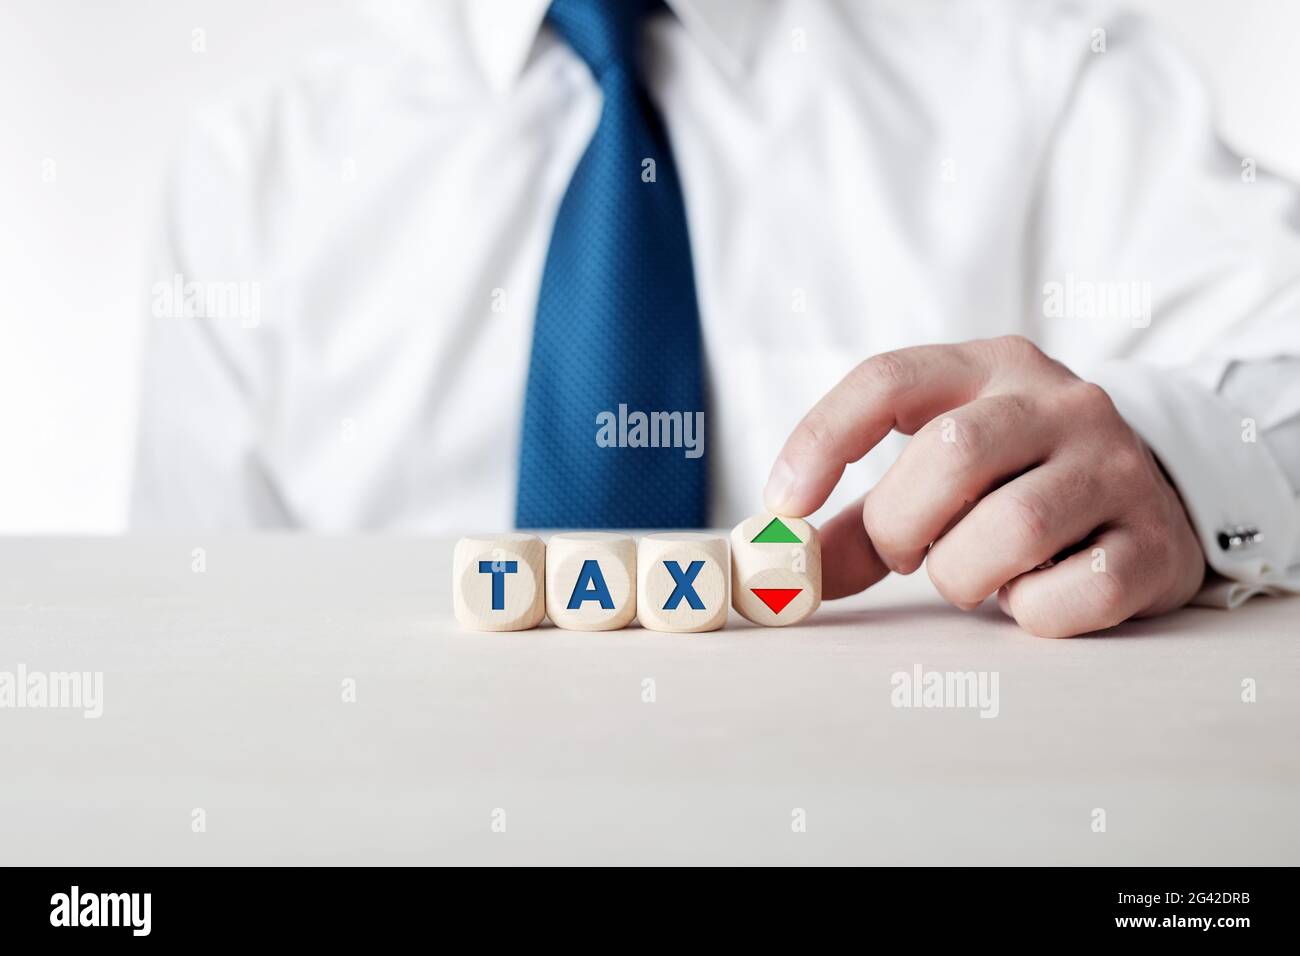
x,y
780,488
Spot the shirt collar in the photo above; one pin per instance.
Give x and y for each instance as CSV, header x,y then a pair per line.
x,y
502,33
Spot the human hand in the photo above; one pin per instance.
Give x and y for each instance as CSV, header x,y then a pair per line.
x,y
1014,462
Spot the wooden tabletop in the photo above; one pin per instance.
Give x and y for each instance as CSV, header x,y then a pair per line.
x,y
311,700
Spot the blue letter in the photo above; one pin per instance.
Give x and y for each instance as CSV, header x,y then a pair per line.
x,y
683,588
597,591
498,570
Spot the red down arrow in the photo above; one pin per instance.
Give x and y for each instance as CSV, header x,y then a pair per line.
x,y
776,598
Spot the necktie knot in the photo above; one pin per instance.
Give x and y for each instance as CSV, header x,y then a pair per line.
x,y
604,33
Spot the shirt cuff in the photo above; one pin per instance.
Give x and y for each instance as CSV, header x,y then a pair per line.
x,y
1240,503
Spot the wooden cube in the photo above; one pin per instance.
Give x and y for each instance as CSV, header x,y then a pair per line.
x,y
683,579
776,570
498,582
591,580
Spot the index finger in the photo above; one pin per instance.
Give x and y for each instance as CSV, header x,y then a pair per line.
x,y
902,389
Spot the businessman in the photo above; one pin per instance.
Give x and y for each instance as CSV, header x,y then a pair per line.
x,y
1064,319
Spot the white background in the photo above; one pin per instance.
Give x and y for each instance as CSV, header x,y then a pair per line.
x,y
102,89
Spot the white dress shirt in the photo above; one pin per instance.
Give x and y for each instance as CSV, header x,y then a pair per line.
x,y
364,244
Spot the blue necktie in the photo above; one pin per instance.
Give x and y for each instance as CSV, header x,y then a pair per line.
x,y
617,333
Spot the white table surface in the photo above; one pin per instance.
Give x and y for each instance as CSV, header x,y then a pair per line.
x,y
222,691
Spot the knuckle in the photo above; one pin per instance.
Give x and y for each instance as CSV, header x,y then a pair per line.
x,y
1092,400
1088,486
970,441
1091,393
1019,348
1028,517
1015,407
1127,462
1079,486
978,431
884,372
819,435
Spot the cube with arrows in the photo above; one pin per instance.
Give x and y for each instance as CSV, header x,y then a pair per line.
x,y
776,569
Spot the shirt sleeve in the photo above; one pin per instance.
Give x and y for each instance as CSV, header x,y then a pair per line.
x,y
1197,247
199,461
1241,502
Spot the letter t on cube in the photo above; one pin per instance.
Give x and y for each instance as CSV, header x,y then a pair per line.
x,y
498,582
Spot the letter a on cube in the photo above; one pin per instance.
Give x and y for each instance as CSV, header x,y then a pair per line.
x,y
683,581
498,582
776,569
591,580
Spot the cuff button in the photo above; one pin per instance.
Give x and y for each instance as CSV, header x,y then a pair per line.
x,y
1238,537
